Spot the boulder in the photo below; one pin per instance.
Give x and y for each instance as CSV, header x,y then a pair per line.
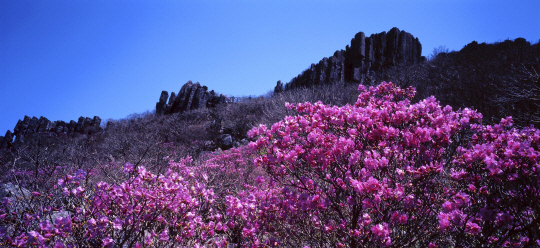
x,y
213,127
225,141
21,199
241,143
191,96
11,190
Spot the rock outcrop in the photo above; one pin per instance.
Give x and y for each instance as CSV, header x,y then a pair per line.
x,y
34,126
21,199
364,56
191,96
279,87
6,141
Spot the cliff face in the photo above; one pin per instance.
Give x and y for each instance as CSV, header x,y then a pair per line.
x,y
33,126
191,96
363,56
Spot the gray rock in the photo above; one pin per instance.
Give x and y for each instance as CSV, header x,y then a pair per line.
x,y
43,124
364,56
244,142
17,196
172,98
21,199
80,125
191,96
225,141
96,121
213,127
279,87
162,101
182,99
312,74
336,70
6,140
72,126
87,122
392,48
241,143
358,46
33,126
60,126
199,98
22,126
11,190
192,99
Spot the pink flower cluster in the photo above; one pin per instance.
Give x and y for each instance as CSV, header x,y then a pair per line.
x,y
145,210
418,173
380,173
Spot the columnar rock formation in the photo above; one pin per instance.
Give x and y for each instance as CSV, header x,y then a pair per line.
x,y
33,126
191,96
364,56
279,87
5,141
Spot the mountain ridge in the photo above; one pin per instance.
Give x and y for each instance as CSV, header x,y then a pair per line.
x,y
364,56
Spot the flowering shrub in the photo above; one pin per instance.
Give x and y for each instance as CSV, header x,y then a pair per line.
x,y
145,210
496,188
386,172
380,173
230,171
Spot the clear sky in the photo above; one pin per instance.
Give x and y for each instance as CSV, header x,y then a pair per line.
x,y
64,58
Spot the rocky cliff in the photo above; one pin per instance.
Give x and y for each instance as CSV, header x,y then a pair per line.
x,y
191,96
365,55
31,126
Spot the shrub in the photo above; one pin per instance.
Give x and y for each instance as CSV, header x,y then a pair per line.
x,y
387,173
381,172
144,210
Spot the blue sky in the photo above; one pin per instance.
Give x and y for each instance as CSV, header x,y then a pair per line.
x,y
62,59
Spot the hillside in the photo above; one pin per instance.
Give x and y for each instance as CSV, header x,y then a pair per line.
x,y
366,165
500,79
